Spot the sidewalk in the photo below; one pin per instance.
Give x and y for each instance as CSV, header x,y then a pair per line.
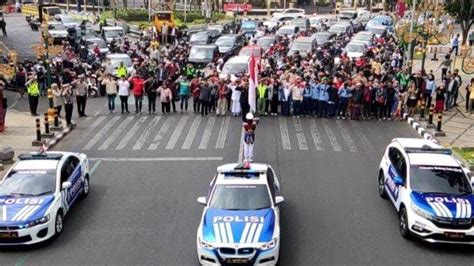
x,y
19,134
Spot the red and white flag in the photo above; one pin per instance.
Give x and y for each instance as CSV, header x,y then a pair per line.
x,y
253,83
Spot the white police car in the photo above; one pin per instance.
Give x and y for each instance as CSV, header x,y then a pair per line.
x,y
241,221
37,192
430,189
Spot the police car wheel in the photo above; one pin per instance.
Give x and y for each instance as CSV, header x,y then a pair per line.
x,y
403,223
86,187
58,223
382,191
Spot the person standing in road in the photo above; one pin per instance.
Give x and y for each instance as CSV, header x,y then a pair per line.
x,y
3,26
3,107
165,97
445,66
20,80
184,92
164,33
205,97
111,90
261,97
33,94
455,45
250,124
151,87
57,98
80,88
222,92
469,89
138,87
123,92
68,103
194,86
122,70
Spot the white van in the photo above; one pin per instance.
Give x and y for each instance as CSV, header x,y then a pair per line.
x,y
355,15
110,33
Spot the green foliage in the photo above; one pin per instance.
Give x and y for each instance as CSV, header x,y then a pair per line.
x,y
462,10
194,17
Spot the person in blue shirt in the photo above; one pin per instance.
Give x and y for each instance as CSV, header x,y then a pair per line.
x,y
313,85
307,100
455,45
345,94
323,97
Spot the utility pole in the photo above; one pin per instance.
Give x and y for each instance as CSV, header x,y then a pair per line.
x,y
410,50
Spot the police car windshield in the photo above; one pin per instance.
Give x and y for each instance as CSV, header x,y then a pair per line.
x,y
28,183
240,197
439,179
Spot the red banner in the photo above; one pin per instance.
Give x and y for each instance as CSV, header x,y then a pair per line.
x,y
237,7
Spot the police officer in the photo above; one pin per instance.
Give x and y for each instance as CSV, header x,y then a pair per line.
x,y
33,91
122,70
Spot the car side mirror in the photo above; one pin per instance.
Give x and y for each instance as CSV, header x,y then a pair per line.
x,y
66,185
398,181
202,200
279,200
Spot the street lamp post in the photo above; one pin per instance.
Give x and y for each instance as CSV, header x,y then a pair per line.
x,y
410,44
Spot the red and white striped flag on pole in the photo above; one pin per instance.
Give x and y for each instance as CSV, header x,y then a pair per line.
x,y
253,83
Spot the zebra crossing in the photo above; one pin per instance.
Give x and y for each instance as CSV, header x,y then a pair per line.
x,y
191,132
152,133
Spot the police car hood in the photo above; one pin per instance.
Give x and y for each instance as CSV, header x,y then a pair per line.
x,y
244,227
21,210
444,205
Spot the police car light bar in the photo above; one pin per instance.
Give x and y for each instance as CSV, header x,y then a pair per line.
x,y
427,149
39,156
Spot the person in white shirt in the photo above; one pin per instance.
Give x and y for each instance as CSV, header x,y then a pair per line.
x,y
124,92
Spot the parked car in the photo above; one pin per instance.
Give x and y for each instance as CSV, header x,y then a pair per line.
x,y
266,41
355,50
204,37
230,43
324,38
110,33
248,28
91,42
288,30
321,22
381,20
365,37
339,29
355,15
296,12
67,21
278,20
304,45
256,50
57,32
113,61
302,23
201,55
237,65
378,30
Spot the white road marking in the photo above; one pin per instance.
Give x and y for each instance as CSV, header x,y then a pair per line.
x,y
131,133
302,144
99,135
315,134
362,137
220,143
158,159
206,136
112,137
346,136
176,133
285,137
332,137
161,133
188,141
143,138
97,122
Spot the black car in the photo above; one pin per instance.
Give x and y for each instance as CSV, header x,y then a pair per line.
x,y
204,37
201,55
230,43
324,38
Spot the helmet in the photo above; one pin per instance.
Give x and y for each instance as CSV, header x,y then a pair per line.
x,y
249,116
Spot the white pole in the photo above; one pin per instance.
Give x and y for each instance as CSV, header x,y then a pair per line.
x,y
149,10
411,31
185,9
284,4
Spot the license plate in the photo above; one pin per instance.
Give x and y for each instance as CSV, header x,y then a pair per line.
x,y
454,235
238,261
8,234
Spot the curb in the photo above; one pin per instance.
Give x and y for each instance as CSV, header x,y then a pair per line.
x,y
420,130
53,141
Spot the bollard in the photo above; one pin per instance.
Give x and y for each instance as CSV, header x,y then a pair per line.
x,y
56,126
439,132
434,56
38,141
430,117
422,110
47,133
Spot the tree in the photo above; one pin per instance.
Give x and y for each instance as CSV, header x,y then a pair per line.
x,y
463,12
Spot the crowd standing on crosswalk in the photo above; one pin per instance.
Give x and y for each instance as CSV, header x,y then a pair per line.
x,y
374,86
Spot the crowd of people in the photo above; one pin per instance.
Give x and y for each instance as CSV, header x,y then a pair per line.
x,y
374,86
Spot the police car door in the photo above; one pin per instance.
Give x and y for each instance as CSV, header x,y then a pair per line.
x,y
274,187
396,168
75,178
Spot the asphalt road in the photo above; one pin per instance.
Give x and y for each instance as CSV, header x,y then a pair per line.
x,y
149,170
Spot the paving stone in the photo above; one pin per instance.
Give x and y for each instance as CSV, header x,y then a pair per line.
x,y
6,154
